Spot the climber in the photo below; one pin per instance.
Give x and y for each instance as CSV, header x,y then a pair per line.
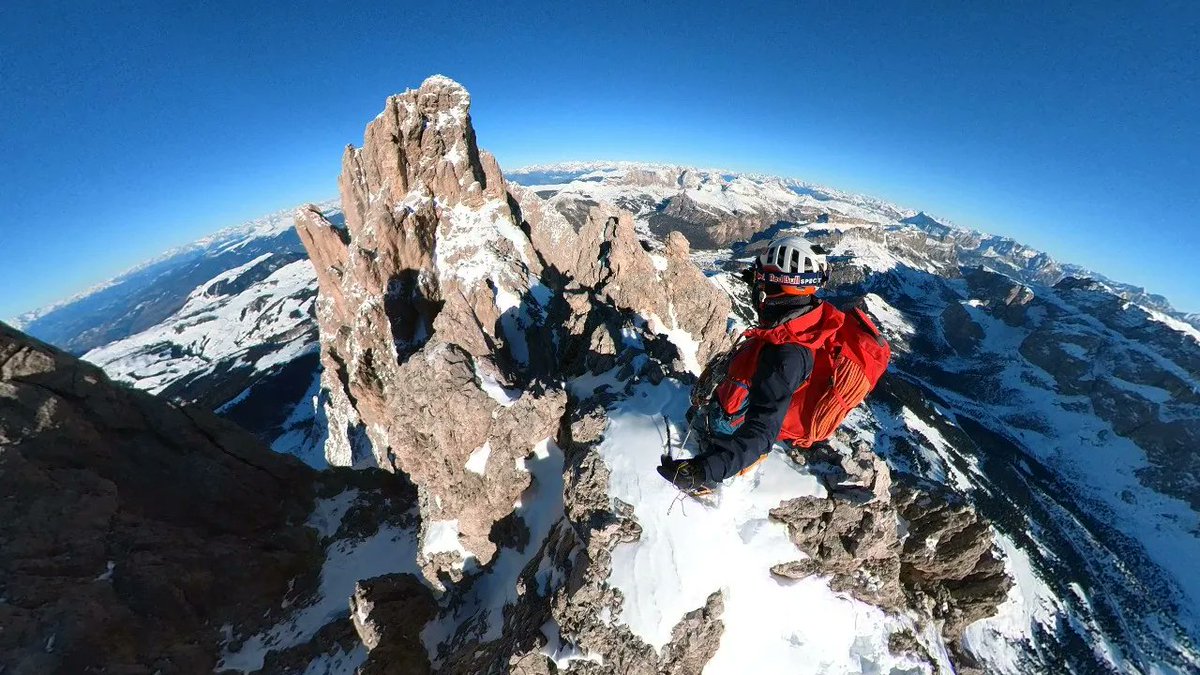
x,y
794,378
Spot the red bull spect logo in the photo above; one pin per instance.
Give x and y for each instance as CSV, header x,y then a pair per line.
x,y
803,279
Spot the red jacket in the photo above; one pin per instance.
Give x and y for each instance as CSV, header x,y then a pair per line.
x,y
811,330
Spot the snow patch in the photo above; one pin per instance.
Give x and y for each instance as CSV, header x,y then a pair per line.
x,y
688,345
498,392
441,536
477,462
893,320
998,641
327,514
338,663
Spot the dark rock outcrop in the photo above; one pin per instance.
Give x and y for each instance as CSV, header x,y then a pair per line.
x,y
131,529
960,330
388,613
1004,297
897,542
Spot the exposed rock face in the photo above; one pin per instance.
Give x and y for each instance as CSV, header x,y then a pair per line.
x,y
960,330
942,563
949,566
1096,347
388,613
1005,298
662,293
130,528
438,293
431,247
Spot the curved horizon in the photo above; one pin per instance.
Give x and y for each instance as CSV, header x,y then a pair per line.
x,y
570,166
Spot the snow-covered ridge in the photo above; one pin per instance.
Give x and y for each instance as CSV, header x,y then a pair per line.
x,y
211,328
22,321
609,166
616,169
150,292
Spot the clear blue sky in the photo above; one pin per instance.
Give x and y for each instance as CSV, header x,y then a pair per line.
x,y
130,127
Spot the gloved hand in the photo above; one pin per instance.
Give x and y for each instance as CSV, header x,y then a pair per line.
x,y
687,475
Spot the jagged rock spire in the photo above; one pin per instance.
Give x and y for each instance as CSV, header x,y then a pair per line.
x,y
430,259
438,293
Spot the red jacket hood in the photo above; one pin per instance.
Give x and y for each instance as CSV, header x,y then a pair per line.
x,y
810,329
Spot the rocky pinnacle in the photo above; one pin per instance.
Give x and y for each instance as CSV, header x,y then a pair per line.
x,y
440,295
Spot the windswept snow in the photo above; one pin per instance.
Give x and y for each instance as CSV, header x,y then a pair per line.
x,y
688,551
1030,606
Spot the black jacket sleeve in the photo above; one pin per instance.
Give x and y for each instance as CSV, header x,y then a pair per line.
x,y
781,371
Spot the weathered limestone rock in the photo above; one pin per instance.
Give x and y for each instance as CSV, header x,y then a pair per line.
x,y
695,638
942,563
668,294
422,297
949,565
691,302
443,288
131,528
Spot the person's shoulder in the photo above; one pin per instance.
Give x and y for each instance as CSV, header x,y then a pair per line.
x,y
792,362
791,351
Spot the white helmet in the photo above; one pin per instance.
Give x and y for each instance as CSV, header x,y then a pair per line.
x,y
796,266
